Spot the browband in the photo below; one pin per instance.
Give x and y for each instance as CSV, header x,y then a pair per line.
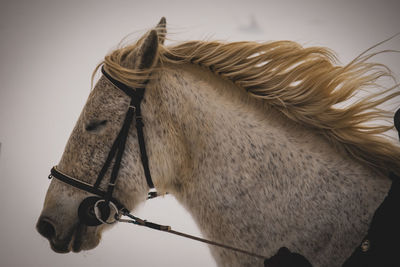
x,y
132,93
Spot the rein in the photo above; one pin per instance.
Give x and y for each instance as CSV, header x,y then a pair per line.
x,y
168,229
96,210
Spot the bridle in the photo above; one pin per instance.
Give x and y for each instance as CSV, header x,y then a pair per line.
x,y
105,199
96,210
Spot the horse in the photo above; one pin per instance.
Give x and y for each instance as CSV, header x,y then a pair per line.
x,y
258,141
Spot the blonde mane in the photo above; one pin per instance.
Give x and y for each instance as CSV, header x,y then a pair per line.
x,y
305,84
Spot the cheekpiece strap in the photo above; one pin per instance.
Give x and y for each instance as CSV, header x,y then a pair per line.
x,y
136,96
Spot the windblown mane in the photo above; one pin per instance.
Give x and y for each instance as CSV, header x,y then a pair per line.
x,y
305,84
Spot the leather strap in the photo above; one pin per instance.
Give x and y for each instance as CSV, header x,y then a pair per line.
x,y
135,105
81,185
117,149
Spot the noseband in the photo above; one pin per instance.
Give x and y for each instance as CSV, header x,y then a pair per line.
x,y
89,206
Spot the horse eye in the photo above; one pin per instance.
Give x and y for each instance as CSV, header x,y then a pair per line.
x,y
95,125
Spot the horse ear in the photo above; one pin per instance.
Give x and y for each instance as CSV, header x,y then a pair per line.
x,y
145,54
148,50
161,29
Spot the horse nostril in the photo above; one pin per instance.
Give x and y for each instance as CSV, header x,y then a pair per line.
x,y
45,228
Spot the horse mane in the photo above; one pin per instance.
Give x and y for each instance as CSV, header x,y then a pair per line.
x,y
305,84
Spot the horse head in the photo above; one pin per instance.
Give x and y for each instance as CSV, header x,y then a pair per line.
x,y
87,149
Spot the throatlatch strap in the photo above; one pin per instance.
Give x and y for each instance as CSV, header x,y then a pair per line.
x,y
142,146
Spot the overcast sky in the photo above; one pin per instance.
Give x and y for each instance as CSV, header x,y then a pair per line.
x,y
48,50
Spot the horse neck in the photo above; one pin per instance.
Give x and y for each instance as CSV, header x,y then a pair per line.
x,y
230,160
214,133
237,165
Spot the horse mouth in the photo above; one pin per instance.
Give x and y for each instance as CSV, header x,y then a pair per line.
x,y
72,243
76,244
59,248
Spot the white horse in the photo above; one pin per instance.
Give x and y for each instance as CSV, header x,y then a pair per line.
x,y
249,137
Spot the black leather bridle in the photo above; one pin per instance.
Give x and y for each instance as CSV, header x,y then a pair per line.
x,y
103,199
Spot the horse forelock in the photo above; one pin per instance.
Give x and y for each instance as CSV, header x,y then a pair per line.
x,y
305,84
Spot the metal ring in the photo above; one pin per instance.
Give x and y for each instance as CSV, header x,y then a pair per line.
x,y
98,213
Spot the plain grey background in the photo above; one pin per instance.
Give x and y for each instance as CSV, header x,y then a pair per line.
x,y
48,50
